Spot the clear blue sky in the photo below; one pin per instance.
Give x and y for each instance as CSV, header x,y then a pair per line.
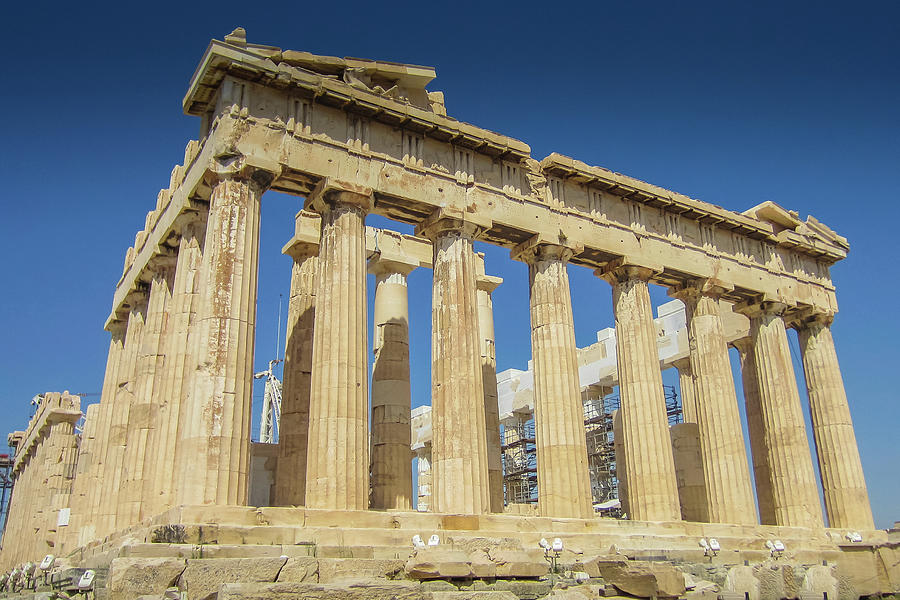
x,y
733,103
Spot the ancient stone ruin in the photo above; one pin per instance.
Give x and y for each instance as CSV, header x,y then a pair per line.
x,y
162,492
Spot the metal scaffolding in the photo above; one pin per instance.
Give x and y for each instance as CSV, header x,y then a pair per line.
x,y
520,455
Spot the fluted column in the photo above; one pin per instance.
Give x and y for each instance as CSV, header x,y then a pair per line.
x,y
686,385
214,462
460,481
142,415
794,492
729,496
564,487
756,432
112,478
85,465
391,457
92,480
337,470
846,497
486,286
293,430
650,466
176,385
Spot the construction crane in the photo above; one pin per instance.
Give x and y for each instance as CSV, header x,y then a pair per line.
x,y
271,407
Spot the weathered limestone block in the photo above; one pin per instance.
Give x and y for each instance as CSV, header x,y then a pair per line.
x,y
700,589
742,580
864,573
438,563
131,577
370,590
889,557
204,576
776,581
474,595
332,570
300,569
518,563
820,581
643,579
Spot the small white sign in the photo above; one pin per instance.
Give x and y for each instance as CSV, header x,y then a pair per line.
x,y
63,519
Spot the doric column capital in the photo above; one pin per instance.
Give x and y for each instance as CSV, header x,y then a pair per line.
x,y
743,345
450,220
541,247
330,193
386,265
161,263
192,220
808,317
683,364
307,236
627,268
691,290
488,283
762,305
257,170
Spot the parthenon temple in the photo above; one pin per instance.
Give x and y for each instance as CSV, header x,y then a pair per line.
x,y
161,487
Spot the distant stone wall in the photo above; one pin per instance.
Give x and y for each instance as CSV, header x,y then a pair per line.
x,y
43,473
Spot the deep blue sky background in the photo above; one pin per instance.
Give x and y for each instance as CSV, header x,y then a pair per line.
x,y
733,103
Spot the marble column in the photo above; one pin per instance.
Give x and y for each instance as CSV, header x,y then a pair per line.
x,y
686,385
846,497
176,394
112,478
85,464
486,286
93,483
142,415
293,432
391,457
729,496
564,486
650,466
337,470
214,458
460,481
756,432
794,491
689,472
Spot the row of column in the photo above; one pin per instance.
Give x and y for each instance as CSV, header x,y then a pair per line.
x,y
43,474
461,463
786,489
173,424
176,399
